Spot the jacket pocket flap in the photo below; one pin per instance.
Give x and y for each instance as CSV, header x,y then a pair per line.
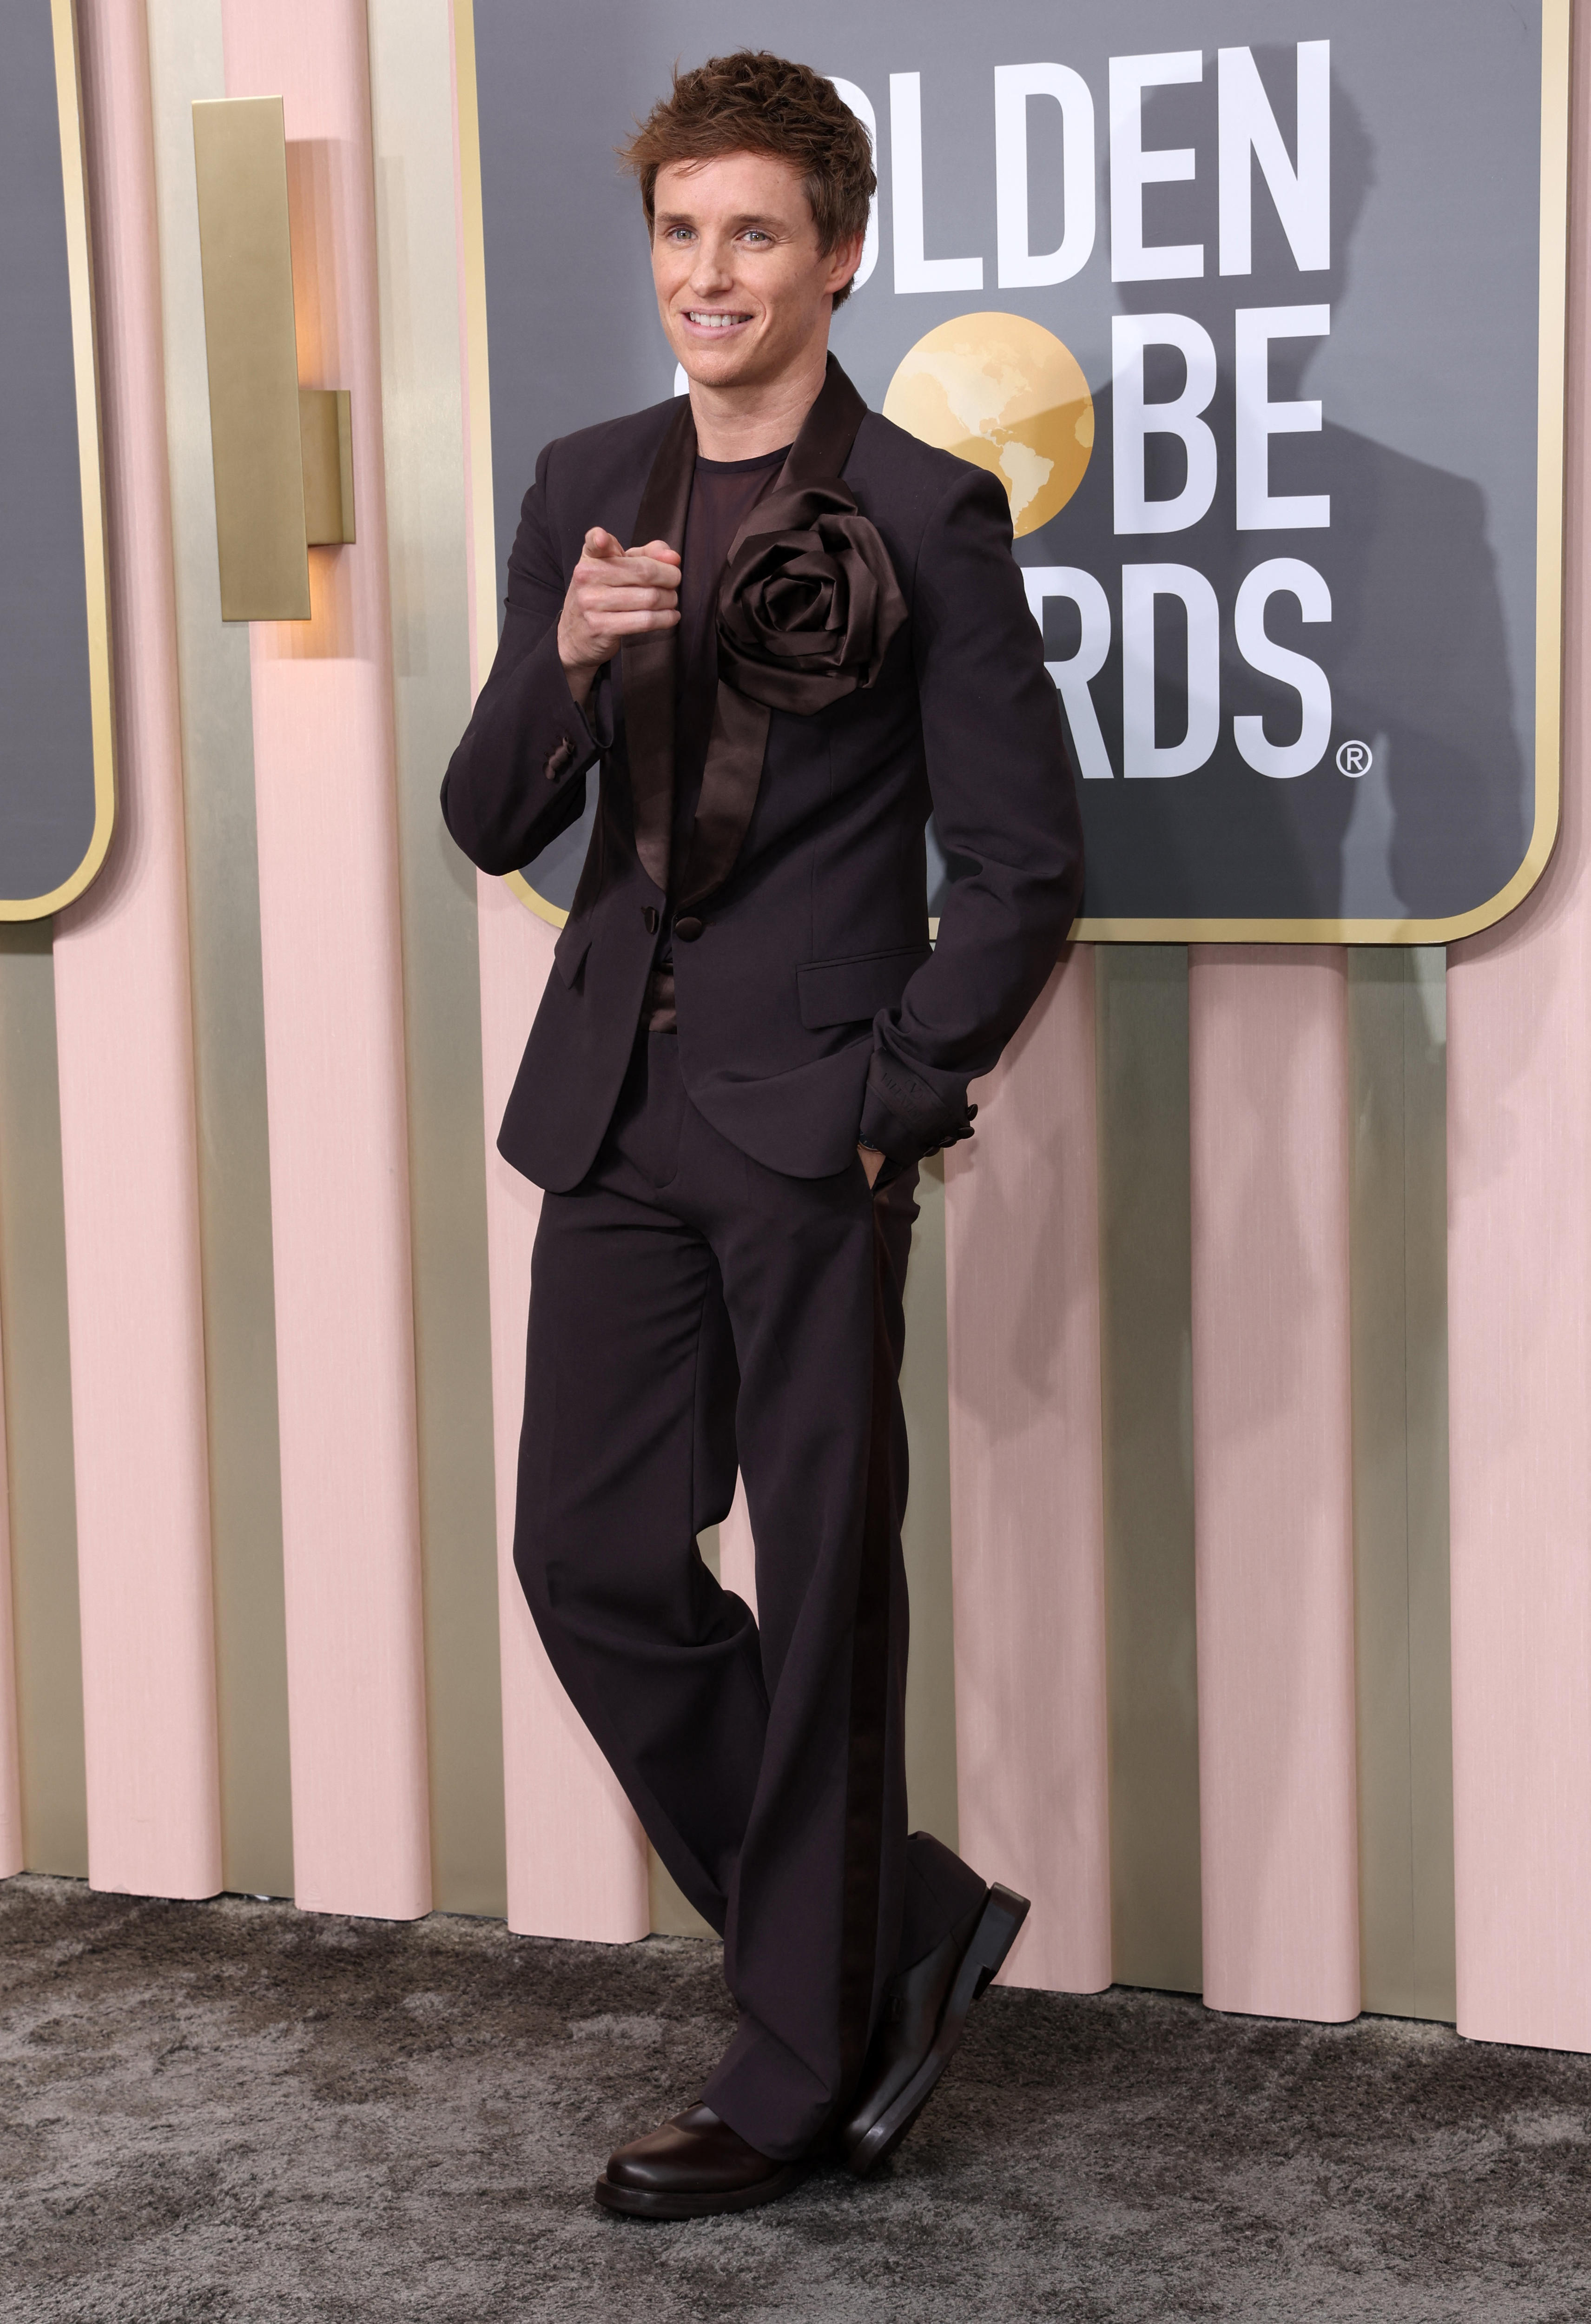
x,y
852,992
569,952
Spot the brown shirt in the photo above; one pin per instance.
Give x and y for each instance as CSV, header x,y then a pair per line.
x,y
722,495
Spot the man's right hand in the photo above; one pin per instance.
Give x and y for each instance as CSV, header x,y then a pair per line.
x,y
615,594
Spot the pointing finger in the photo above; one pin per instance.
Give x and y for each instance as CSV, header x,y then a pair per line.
x,y
630,571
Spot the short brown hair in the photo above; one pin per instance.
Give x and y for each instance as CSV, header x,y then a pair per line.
x,y
755,103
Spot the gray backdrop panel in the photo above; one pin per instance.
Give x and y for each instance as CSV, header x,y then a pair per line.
x,y
1428,382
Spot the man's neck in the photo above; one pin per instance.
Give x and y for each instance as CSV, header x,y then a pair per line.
x,y
738,423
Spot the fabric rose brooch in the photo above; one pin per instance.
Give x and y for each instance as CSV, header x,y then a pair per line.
x,y
809,603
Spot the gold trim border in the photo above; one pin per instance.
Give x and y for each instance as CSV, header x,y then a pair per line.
x,y
68,97
1549,525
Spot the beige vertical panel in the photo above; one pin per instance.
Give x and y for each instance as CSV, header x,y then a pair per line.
x,y
38,1391
410,55
924,1390
1146,1328
671,1912
1397,1018
228,1021
1273,1451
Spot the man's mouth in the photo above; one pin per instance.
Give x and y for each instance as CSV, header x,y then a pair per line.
x,y
709,319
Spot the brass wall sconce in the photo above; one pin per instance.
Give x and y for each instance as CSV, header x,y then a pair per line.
x,y
283,454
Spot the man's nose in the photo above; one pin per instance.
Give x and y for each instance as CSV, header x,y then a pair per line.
x,y
713,269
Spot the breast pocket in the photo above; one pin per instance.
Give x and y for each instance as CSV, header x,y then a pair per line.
x,y
852,992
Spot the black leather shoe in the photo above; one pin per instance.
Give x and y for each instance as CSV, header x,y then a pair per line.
x,y
922,2024
694,2165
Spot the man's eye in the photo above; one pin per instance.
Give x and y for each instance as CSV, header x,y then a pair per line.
x,y
754,234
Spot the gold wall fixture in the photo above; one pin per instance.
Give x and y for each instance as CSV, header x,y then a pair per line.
x,y
283,454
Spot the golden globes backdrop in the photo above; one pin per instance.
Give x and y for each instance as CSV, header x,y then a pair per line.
x,y
1257,311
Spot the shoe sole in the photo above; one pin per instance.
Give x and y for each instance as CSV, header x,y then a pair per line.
x,y
648,2203
1003,1914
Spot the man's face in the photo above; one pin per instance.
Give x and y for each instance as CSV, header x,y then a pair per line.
x,y
742,287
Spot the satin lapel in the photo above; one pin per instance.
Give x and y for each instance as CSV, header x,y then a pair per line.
x,y
647,667
819,454
730,780
733,775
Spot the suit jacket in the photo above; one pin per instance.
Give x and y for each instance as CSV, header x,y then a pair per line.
x,y
811,1009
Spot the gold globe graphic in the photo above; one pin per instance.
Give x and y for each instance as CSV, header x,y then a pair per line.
x,y
1008,395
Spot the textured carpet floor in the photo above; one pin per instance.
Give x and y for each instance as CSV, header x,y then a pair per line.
x,y
234,2110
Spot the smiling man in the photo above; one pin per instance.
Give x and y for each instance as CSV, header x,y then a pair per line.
x,y
816,635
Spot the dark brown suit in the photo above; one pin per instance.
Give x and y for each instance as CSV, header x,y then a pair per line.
x,y
713,1285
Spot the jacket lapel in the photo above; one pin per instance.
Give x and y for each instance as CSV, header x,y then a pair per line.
x,y
647,667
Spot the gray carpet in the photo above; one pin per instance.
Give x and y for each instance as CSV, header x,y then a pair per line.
x,y
234,2110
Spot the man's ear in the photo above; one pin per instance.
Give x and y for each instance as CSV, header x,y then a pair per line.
x,y
844,261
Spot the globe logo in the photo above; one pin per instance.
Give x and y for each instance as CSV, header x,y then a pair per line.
x,y
1009,396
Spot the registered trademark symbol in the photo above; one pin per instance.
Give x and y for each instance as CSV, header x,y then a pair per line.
x,y
1354,759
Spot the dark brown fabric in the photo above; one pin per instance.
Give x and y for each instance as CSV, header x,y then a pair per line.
x,y
809,603
694,1316
826,855
730,784
659,1011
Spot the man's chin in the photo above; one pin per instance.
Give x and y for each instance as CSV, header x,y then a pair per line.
x,y
744,364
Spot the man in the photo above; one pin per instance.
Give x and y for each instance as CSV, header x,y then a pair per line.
x,y
746,1048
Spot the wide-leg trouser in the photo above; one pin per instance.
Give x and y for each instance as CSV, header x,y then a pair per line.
x,y
691,1312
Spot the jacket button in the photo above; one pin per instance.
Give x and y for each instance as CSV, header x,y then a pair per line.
x,y
688,929
649,916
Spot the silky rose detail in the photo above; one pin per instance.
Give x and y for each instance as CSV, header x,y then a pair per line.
x,y
809,603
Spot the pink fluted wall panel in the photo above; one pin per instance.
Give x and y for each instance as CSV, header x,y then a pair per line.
x,y
577,1855
737,1552
1026,1491
1519,1308
1273,1479
129,1158
325,777
10,1832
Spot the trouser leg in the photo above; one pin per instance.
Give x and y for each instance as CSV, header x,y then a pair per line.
x,y
769,1773
626,1453
814,1273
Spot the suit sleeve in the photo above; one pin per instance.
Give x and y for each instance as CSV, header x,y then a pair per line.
x,y
518,778
1004,804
